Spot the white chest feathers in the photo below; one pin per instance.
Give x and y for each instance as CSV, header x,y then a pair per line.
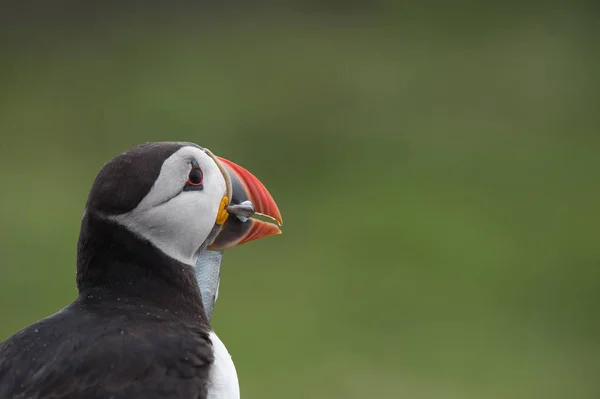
x,y
222,379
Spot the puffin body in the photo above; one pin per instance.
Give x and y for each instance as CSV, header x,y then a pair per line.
x,y
139,328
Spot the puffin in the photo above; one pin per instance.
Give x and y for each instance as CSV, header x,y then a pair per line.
x,y
157,220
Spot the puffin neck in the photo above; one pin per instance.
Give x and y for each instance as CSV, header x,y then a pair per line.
x,y
117,263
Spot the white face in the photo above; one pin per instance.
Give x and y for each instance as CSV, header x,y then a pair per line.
x,y
177,220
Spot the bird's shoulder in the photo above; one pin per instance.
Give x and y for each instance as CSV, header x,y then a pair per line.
x,y
128,351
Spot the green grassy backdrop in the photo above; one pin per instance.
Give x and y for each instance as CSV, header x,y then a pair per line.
x,y
438,172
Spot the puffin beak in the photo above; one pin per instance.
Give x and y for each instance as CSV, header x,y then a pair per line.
x,y
249,197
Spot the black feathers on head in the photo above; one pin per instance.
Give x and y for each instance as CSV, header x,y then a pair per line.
x,y
125,180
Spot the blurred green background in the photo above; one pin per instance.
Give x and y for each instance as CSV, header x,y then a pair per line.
x,y
437,166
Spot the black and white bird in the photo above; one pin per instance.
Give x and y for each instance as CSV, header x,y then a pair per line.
x,y
149,251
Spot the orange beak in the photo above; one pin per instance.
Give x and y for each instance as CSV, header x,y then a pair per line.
x,y
239,228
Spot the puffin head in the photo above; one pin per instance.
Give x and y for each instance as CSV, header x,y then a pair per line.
x,y
176,197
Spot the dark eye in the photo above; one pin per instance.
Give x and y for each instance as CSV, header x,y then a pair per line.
x,y
195,179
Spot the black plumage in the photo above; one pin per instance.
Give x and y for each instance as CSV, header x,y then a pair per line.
x,y
137,328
